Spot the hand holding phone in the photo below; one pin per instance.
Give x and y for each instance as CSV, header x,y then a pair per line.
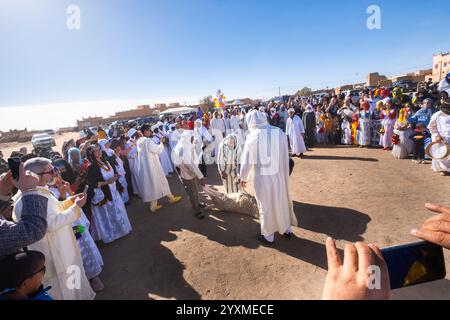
x,y
14,165
350,280
414,263
26,181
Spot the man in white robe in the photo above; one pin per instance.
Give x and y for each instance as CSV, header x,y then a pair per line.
x,y
153,184
159,136
203,145
237,126
295,131
218,128
64,265
174,135
265,158
132,156
439,127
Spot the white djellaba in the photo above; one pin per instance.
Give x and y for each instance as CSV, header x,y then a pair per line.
x,y
270,175
295,131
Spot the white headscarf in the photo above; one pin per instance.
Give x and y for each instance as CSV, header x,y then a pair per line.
x,y
131,132
184,152
198,121
309,108
102,143
256,120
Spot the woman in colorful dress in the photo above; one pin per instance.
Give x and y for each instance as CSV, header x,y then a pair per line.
x,y
402,145
389,117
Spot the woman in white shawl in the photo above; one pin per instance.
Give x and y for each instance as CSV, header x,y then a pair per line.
x,y
228,160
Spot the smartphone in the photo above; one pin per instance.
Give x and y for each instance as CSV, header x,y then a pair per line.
x,y
414,263
86,189
14,165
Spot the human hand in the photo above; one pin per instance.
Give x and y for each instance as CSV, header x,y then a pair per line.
x,y
80,200
437,228
6,184
224,175
243,184
352,280
27,180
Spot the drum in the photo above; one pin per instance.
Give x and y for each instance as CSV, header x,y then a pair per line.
x,y
438,150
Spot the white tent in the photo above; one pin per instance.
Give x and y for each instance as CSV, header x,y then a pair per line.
x,y
177,111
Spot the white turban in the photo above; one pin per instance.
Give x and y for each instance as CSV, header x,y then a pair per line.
x,y
198,121
262,109
256,120
291,110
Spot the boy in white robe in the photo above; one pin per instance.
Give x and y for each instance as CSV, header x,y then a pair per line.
x,y
295,131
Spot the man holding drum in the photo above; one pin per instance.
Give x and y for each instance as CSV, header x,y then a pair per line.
x,y
439,127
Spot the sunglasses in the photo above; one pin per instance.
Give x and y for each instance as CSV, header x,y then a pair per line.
x,y
52,172
43,270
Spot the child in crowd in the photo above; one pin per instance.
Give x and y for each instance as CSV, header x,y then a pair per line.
x,y
328,122
22,274
418,137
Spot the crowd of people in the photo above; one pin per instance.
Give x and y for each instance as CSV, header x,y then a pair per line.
x,y
59,205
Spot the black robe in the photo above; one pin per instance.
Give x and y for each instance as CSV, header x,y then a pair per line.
x,y
309,122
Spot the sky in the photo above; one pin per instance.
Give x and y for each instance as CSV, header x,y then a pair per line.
x,y
181,50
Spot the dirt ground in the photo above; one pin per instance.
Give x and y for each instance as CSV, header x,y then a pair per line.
x,y
350,194
7,148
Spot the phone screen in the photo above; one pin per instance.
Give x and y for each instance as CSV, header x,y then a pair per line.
x,y
414,263
14,166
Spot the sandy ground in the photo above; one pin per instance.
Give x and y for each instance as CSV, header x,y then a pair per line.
x,y
7,148
350,194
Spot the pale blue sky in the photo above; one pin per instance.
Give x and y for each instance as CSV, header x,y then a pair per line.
x,y
180,48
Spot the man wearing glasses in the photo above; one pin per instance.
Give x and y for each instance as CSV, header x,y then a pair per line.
x,y
59,245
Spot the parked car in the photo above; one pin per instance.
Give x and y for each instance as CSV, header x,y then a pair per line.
x,y
43,140
50,132
406,85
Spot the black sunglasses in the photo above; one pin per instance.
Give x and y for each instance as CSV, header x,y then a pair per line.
x,y
52,172
43,270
